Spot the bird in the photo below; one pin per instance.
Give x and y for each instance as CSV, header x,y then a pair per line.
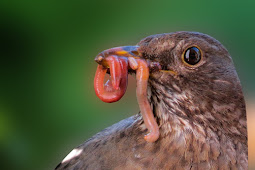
x,y
196,100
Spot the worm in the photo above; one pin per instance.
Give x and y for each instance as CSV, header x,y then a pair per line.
x,y
115,88
142,76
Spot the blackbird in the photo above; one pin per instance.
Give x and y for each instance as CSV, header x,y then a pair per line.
x,y
191,104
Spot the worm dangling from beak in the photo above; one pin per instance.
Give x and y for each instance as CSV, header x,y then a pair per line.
x,y
119,60
116,87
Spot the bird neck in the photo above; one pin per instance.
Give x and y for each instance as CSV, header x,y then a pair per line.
x,y
176,112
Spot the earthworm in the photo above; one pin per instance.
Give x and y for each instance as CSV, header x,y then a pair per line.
x,y
115,88
142,76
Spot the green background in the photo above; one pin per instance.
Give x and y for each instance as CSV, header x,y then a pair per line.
x,y
47,101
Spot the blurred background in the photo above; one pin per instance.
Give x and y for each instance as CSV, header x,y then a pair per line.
x,y
47,101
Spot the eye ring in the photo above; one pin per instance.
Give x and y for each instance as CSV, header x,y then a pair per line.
x,y
192,56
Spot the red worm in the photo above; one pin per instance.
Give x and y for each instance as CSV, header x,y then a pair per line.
x,y
142,76
116,87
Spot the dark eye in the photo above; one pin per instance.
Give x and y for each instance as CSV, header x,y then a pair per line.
x,y
192,56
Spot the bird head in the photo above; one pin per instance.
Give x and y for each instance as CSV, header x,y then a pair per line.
x,y
192,82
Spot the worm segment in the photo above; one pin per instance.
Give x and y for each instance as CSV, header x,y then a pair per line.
x,y
142,76
116,86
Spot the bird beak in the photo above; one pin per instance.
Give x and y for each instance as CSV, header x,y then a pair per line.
x,y
125,51
128,52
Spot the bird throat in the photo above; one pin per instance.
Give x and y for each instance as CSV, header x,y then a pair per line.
x,y
177,112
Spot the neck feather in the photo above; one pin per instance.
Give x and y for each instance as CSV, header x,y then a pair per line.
x,y
177,112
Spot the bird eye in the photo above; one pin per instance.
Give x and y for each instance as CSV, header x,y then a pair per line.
x,y
192,56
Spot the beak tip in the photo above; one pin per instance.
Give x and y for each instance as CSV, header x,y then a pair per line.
x,y
99,59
